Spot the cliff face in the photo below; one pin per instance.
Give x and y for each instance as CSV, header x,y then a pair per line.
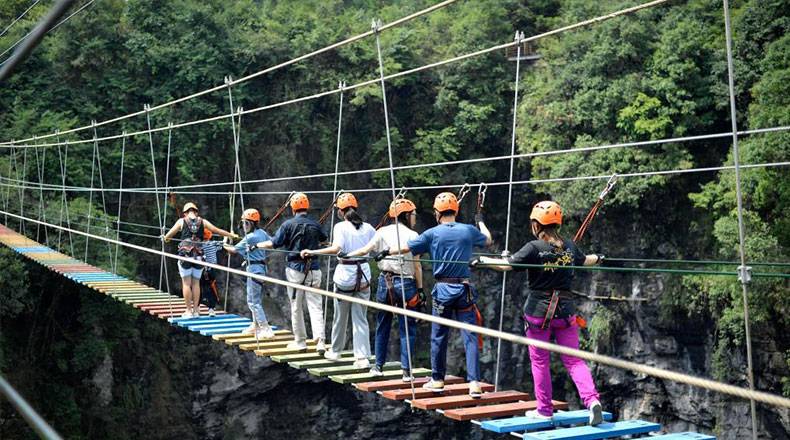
x,y
98,369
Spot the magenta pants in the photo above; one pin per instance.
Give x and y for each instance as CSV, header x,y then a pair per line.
x,y
566,333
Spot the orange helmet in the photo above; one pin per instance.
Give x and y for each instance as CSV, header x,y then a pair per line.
x,y
251,214
207,234
446,201
399,206
547,213
346,200
299,201
189,206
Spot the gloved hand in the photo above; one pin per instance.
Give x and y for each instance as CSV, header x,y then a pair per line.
x,y
421,305
342,255
164,238
474,262
601,258
505,254
382,255
478,218
234,236
251,247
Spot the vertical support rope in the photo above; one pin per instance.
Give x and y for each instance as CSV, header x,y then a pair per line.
x,y
744,274
103,203
39,177
8,188
518,38
22,225
376,26
120,199
64,206
147,109
90,194
342,87
164,203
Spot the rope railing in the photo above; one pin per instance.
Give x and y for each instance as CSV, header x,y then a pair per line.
x,y
660,373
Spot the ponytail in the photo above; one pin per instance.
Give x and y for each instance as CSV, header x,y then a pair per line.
x,y
551,235
350,214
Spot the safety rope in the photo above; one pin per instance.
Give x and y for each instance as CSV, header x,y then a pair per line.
x,y
120,198
232,194
519,36
103,203
164,202
159,217
376,25
42,213
758,396
64,203
742,269
280,211
22,194
8,189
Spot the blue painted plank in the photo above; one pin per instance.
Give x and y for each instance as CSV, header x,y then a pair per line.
x,y
515,424
602,431
208,326
221,331
684,436
203,319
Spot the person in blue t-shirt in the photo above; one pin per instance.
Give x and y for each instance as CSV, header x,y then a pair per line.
x,y
453,296
297,234
255,260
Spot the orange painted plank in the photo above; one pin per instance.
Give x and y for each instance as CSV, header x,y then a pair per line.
x,y
398,384
421,393
461,401
500,410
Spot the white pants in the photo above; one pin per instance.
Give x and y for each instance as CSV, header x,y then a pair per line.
x,y
359,324
298,299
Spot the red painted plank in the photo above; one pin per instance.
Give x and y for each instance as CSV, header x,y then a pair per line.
x,y
421,393
461,401
398,384
501,410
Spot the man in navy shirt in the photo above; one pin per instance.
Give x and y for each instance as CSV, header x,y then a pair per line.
x,y
453,296
296,234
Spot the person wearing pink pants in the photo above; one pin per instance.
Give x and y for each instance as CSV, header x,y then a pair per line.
x,y
549,309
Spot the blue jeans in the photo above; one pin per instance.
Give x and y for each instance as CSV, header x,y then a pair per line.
x,y
448,302
384,319
255,296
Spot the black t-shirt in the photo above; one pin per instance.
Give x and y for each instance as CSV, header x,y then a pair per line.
x,y
296,234
542,281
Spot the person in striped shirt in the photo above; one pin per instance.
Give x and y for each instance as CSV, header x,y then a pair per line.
x,y
208,288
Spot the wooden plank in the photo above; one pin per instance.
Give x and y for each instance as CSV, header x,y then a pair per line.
x,y
683,436
285,358
367,377
281,351
522,423
324,363
421,393
492,411
249,339
266,344
398,384
349,369
602,431
462,401
228,338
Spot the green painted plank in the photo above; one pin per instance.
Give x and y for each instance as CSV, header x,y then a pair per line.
x,y
305,356
367,377
348,369
323,362
280,351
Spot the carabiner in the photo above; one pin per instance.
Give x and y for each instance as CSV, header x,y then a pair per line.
x,y
463,192
609,185
481,196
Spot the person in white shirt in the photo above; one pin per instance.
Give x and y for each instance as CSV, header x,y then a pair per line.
x,y
399,279
351,277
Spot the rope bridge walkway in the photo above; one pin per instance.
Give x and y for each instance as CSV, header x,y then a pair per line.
x,y
497,411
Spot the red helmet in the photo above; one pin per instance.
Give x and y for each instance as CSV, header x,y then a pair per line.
x,y
251,214
547,213
346,200
446,201
399,206
207,234
299,201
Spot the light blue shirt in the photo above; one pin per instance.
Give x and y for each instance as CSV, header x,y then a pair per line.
x,y
257,257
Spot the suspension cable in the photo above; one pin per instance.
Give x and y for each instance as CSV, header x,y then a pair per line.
x,y
164,201
19,17
330,47
103,203
388,77
64,203
519,37
90,196
723,388
325,301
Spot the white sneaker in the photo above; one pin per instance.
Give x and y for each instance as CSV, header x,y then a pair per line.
x,y
534,414
407,377
187,314
375,371
362,363
320,346
264,331
331,355
250,330
596,413
195,313
297,345
475,391
212,313
437,386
